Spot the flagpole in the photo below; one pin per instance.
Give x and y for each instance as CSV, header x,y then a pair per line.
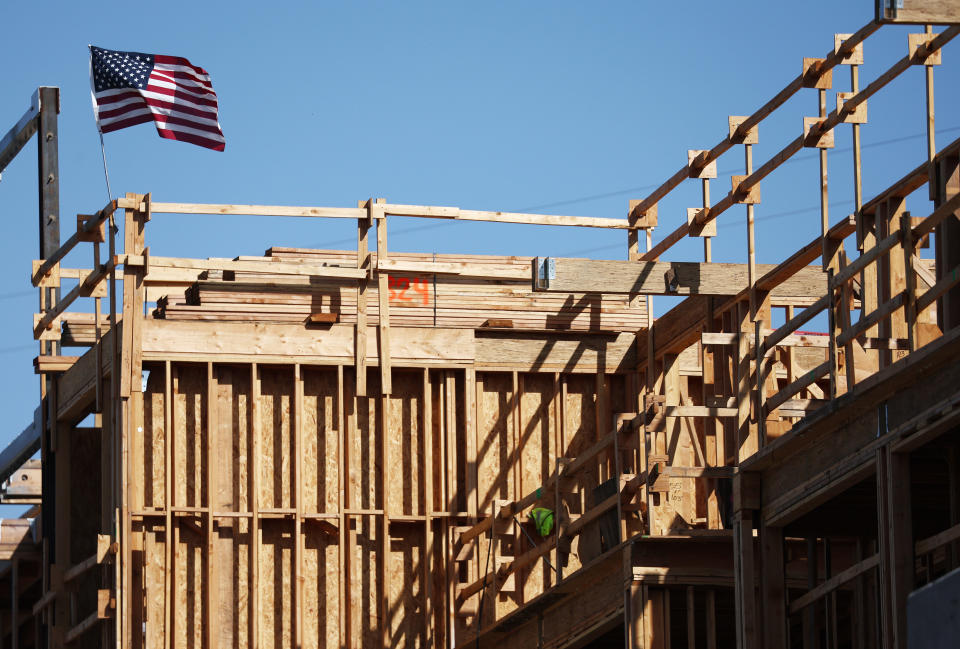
x,y
106,174
96,117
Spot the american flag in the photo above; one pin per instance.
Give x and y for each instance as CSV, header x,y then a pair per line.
x,y
132,88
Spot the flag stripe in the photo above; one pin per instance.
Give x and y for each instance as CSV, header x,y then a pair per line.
x,y
173,125
162,101
210,125
184,73
163,59
192,139
147,116
179,96
159,76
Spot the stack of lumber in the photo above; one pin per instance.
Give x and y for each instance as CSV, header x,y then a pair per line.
x,y
468,299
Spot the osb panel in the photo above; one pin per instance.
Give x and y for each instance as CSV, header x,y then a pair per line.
x,y
189,434
232,557
276,437
495,440
321,450
437,443
364,612
188,584
579,434
496,468
148,448
405,488
321,587
276,584
232,439
404,570
154,563
537,454
364,453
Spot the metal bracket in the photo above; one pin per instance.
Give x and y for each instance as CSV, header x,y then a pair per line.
x,y
546,269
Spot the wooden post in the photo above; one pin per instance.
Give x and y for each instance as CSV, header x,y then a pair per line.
x,y
428,509
900,544
363,262
375,212
210,532
747,443
747,613
168,492
634,607
774,587
254,470
931,133
62,556
342,521
947,239
15,603
298,451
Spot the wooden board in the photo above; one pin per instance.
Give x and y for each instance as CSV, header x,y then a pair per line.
x,y
918,12
673,278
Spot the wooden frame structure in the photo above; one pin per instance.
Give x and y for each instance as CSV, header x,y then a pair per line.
x,y
340,448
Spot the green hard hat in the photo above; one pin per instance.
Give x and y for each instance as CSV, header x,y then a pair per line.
x,y
542,518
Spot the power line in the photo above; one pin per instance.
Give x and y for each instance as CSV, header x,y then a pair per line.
x,y
632,190
19,348
16,294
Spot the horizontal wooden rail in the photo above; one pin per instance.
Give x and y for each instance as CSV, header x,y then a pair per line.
x,y
831,60
91,225
867,258
784,395
104,549
833,583
85,625
457,214
511,508
881,312
248,210
464,269
948,281
921,547
793,324
266,267
931,543
628,485
927,225
817,130
44,601
84,288
806,255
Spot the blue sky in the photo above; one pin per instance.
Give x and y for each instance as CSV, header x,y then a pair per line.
x,y
554,107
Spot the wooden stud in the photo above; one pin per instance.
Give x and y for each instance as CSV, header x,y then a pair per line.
x,y
363,263
383,295
210,532
254,478
343,580
298,539
168,505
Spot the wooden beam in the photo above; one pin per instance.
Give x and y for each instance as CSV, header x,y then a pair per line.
x,y
833,583
671,278
20,133
253,210
457,214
